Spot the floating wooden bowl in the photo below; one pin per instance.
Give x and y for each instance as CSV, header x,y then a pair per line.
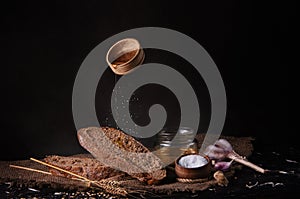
x,y
124,56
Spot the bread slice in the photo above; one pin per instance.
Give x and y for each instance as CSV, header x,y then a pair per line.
x,y
87,167
124,141
118,150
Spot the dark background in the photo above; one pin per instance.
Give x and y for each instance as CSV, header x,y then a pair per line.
x,y
44,43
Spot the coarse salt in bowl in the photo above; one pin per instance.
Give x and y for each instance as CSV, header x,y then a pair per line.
x,y
192,166
192,161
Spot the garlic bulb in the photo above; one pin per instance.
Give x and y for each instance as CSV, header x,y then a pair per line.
x,y
215,153
224,144
221,150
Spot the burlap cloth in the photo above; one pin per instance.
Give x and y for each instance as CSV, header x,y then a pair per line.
x,y
241,145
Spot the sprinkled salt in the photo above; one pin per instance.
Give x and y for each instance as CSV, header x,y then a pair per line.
x,y
192,161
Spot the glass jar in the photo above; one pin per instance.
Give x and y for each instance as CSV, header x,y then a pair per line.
x,y
172,144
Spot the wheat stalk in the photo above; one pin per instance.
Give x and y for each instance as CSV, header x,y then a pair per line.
x,y
30,169
110,186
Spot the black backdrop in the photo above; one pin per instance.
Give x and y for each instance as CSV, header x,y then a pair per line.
x,y
44,43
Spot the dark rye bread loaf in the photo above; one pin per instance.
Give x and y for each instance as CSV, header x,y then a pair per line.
x,y
116,149
124,141
87,167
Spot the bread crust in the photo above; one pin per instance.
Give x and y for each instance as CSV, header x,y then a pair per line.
x,y
121,151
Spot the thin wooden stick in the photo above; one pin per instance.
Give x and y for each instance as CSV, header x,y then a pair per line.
x,y
59,169
39,171
30,169
234,156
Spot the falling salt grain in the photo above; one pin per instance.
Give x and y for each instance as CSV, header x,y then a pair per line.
x,y
192,161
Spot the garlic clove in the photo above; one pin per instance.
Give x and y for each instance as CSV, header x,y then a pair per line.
x,y
214,152
223,166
